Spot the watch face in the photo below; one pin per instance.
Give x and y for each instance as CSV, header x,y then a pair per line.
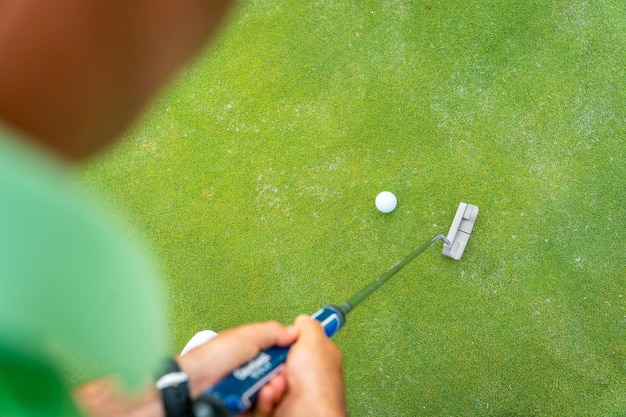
x,y
171,380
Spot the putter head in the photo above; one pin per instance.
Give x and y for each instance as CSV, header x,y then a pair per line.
x,y
460,230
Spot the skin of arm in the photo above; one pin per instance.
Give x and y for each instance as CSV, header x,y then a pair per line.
x,y
105,397
311,384
314,375
204,365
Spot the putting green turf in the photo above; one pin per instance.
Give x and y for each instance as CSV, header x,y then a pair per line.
x,y
254,175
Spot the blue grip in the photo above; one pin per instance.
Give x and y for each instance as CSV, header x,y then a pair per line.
x,y
239,390
331,319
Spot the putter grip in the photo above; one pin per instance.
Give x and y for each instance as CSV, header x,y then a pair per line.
x,y
239,390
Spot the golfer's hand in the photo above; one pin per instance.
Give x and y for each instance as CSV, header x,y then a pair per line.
x,y
212,361
314,375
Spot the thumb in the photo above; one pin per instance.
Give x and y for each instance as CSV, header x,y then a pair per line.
x,y
309,329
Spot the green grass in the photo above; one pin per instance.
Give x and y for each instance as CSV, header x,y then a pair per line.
x,y
254,175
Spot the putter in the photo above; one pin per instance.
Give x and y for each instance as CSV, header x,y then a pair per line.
x,y
238,391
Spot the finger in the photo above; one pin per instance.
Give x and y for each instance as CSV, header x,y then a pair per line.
x,y
265,401
270,395
212,361
262,335
312,341
236,346
308,327
279,385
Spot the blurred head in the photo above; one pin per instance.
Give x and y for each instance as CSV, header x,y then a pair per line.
x,y
76,73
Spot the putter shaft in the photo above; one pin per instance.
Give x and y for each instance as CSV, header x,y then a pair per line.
x,y
366,291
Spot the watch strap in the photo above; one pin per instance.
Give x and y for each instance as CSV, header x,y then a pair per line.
x,y
174,387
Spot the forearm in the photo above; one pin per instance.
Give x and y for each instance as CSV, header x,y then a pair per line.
x,y
104,398
204,366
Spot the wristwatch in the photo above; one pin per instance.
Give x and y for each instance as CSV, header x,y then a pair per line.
x,y
174,387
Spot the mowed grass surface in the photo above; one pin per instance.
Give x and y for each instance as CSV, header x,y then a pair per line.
x,y
254,176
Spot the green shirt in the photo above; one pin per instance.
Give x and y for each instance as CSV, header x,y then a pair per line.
x,y
78,296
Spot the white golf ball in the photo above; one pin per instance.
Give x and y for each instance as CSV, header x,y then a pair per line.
x,y
386,202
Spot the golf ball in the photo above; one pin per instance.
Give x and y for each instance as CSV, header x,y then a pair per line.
x,y
386,202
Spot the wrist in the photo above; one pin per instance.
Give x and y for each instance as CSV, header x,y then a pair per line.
x,y
173,384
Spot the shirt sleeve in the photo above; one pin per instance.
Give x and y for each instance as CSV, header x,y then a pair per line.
x,y
76,289
29,388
